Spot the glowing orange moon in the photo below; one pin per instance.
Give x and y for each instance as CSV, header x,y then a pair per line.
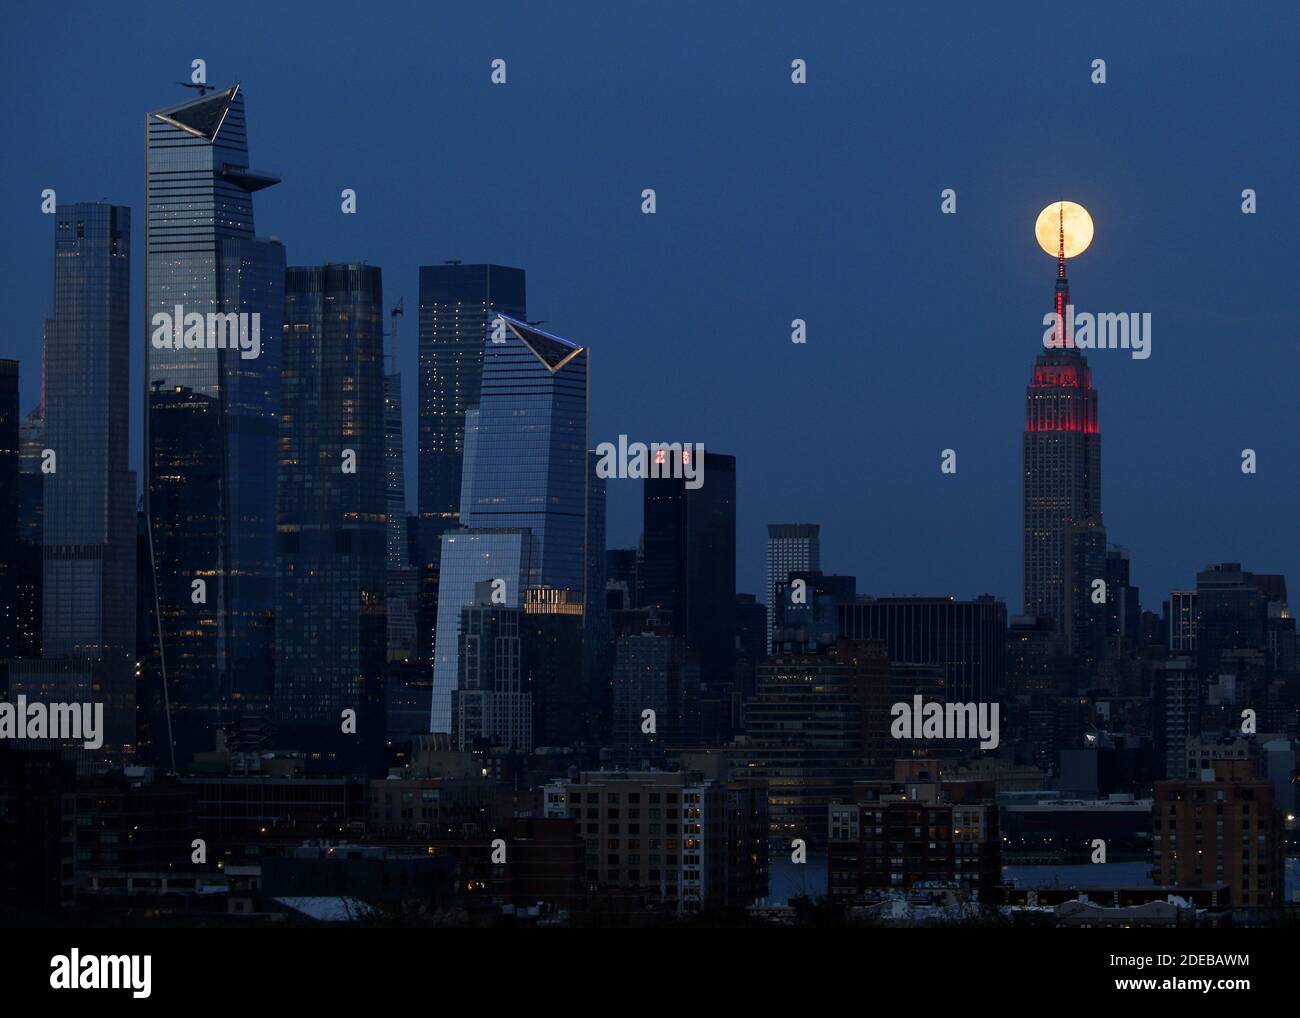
x,y
1077,223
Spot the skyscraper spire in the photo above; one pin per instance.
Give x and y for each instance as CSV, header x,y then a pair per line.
x,y
1061,256
1062,284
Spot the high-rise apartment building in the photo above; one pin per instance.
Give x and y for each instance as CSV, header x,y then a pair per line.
x,y
1225,828
892,836
678,837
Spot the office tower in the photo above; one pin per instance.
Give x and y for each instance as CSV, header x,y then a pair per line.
x,y
569,706
790,547
1232,614
526,463
688,570
526,472
491,704
654,672
88,619
966,640
1062,463
403,579
1123,612
457,306
1223,829
9,459
1084,616
819,723
210,415
331,626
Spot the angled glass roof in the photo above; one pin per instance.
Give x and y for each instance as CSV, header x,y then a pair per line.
x,y
203,116
552,351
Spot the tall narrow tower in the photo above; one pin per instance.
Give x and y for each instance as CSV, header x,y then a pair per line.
x,y
403,579
1062,452
210,420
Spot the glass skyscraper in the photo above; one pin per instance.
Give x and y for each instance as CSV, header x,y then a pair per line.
x,y
471,557
526,450
210,421
403,581
525,473
791,547
330,608
89,545
689,573
9,565
491,702
458,303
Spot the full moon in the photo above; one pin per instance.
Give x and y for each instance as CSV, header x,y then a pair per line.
x,y
1077,223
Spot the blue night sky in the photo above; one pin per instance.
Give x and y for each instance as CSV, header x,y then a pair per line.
x,y
775,202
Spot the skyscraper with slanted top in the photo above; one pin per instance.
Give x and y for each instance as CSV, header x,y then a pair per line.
x,y
210,421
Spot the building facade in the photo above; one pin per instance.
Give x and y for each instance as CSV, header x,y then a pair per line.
x,y
965,639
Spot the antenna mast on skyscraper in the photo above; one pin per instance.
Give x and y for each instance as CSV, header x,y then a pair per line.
x,y
1061,254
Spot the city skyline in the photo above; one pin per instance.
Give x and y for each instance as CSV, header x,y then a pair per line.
x,y
954,539
642,480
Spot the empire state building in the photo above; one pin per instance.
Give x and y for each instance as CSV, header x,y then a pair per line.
x,y
1062,456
